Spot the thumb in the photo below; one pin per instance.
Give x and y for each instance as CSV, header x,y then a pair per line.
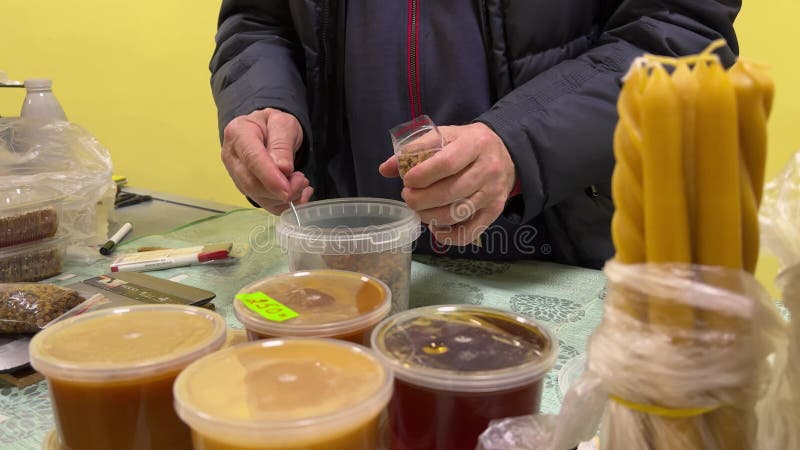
x,y
389,168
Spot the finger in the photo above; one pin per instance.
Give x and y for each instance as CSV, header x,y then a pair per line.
x,y
458,212
282,140
467,232
449,133
452,159
389,168
306,196
246,182
275,207
254,157
444,192
297,183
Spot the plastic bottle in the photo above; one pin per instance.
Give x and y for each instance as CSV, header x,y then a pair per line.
x,y
40,103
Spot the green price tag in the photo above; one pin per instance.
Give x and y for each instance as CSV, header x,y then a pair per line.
x,y
267,307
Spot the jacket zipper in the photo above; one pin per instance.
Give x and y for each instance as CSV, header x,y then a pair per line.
x,y
413,58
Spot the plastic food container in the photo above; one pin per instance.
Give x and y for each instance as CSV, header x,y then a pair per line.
x,y
329,303
28,214
414,142
33,261
364,235
110,373
457,368
285,394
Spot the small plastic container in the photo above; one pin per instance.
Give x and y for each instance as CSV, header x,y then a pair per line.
x,y
364,235
33,261
329,303
28,214
110,373
415,141
285,394
456,369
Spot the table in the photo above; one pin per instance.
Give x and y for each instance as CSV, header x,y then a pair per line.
x,y
567,300
163,213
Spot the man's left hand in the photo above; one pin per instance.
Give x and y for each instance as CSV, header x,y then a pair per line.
x,y
463,188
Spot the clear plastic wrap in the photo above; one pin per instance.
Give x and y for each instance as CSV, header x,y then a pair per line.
x,y
657,383
65,158
780,234
28,308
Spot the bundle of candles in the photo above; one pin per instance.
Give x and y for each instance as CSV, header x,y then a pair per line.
x,y
690,147
691,350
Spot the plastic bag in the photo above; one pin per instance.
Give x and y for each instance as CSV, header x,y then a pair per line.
x,y
64,157
657,383
28,308
780,233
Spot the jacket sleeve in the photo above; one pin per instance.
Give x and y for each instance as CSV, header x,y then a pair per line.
x,y
256,62
558,127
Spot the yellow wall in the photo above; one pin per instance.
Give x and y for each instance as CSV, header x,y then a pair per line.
x,y
135,74
768,33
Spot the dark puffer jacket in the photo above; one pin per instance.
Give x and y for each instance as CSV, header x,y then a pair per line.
x,y
555,68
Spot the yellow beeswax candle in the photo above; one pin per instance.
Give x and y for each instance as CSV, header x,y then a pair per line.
x,y
627,225
686,85
666,217
718,225
665,210
754,93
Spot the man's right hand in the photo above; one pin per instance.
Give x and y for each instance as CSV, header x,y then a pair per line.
x,y
258,151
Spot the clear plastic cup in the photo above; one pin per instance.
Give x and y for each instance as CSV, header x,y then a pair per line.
x,y
364,235
329,303
110,373
456,369
287,394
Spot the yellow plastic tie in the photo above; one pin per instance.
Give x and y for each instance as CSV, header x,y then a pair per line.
x,y
669,413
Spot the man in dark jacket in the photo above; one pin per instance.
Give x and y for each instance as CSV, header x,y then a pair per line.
x,y
307,90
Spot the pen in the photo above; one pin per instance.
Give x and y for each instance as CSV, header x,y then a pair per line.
x,y
115,239
136,199
170,262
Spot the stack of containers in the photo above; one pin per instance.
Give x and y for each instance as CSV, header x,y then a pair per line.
x,y
30,248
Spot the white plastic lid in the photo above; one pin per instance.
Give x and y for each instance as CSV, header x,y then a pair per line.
x,y
283,391
126,343
462,348
348,226
39,84
333,303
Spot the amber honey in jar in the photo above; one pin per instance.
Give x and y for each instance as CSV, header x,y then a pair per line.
x,y
329,303
457,368
285,394
110,374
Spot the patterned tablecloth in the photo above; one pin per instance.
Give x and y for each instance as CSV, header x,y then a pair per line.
x,y
567,300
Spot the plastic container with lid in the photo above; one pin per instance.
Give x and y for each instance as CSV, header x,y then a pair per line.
x,y
365,235
28,213
329,303
33,261
457,368
285,394
110,373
